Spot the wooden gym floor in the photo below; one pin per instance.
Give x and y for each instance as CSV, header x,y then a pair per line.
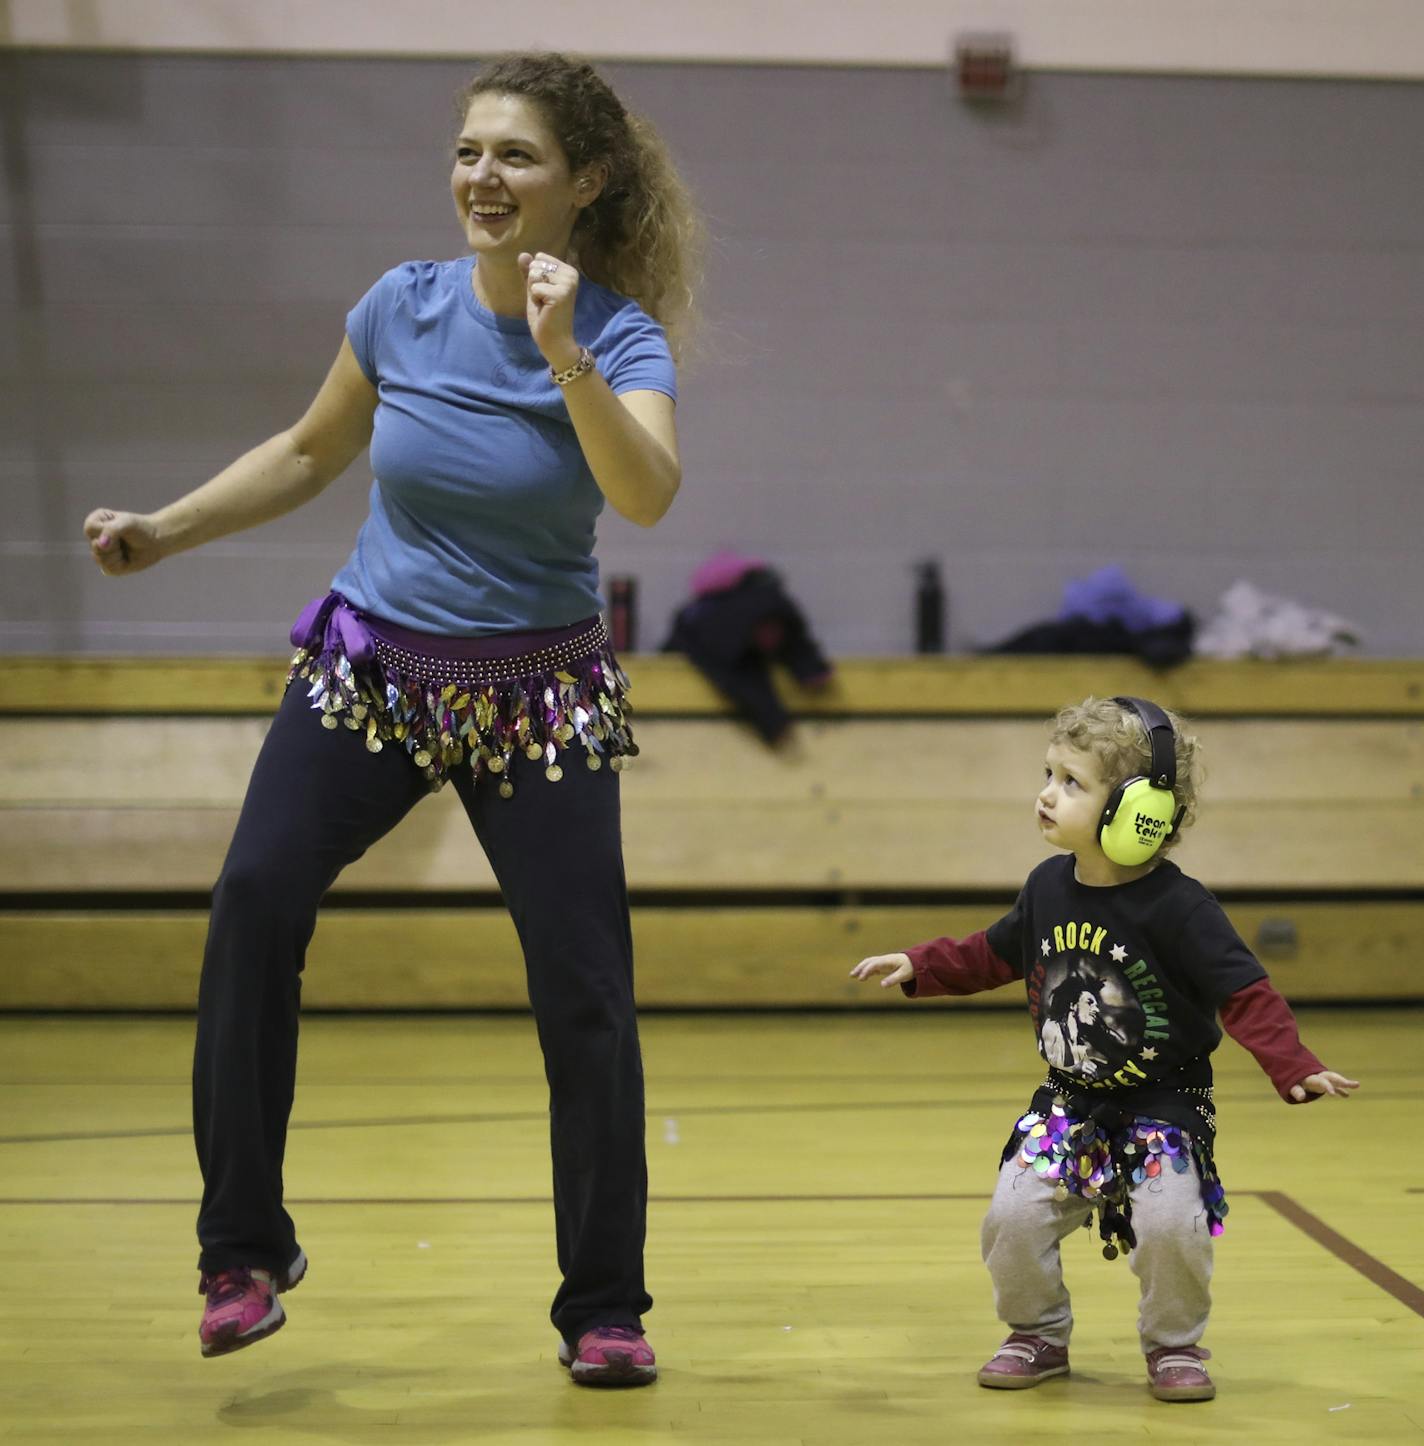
x,y
817,1183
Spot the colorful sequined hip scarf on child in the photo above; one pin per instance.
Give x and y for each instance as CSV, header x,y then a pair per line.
x,y
447,699
1103,1155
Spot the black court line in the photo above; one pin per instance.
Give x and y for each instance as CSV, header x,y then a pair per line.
x,y
181,1132
384,1200
382,1122
525,1116
1311,1226
442,900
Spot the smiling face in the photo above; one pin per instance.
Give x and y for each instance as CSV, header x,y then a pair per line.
x,y
1071,801
512,186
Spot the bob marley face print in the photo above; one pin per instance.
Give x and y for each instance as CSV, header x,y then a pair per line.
x,y
1091,1020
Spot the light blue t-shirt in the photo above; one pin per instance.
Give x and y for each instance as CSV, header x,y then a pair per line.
x,y
483,508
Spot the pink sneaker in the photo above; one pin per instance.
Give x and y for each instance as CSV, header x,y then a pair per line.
x,y
242,1306
1176,1373
610,1356
1023,1361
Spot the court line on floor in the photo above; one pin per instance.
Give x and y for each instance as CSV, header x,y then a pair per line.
x,y
1290,1210
1375,1271
1008,1102
525,1116
666,1079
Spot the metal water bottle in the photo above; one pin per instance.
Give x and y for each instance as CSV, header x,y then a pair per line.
x,y
623,613
929,608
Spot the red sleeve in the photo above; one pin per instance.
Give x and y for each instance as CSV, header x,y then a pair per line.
x,y
957,966
1259,1020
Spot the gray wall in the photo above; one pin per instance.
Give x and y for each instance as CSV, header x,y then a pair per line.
x,y
1170,322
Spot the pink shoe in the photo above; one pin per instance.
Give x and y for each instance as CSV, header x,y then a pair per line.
x,y
242,1306
1176,1373
1023,1361
610,1356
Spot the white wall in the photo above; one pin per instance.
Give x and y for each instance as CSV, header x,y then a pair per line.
x,y
1366,38
1172,322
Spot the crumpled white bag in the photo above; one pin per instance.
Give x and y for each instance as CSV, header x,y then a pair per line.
x,y
1256,624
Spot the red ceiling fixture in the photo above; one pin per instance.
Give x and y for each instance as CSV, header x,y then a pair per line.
x,y
984,68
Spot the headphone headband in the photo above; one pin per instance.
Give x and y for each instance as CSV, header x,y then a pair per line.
x,y
1161,739
1142,813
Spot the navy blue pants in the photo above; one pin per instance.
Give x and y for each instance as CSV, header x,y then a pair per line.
x,y
317,801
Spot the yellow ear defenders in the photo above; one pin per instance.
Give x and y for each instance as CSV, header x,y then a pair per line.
x,y
1142,813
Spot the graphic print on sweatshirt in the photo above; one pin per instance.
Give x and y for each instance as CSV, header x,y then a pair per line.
x,y
1098,1017
1124,982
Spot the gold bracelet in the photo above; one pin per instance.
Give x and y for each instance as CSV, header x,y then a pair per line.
x,y
570,374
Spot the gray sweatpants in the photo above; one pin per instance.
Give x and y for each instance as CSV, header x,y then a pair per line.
x,y
1026,1225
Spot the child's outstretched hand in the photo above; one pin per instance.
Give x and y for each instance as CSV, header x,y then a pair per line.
x,y
895,967
1327,1082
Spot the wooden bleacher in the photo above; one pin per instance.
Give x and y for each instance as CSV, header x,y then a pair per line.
x,y
901,810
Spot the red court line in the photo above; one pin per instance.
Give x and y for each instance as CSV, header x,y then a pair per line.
x,y
1375,1271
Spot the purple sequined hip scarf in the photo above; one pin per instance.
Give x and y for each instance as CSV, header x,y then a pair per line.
x,y
447,699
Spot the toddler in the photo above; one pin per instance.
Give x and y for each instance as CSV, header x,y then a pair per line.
x,y
1128,965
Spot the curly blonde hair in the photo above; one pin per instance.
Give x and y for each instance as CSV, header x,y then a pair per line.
x,y
1115,736
644,236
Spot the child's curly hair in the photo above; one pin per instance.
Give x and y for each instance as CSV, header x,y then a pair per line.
x,y
1115,736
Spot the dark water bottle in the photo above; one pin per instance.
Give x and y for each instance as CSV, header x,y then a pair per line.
x,y
623,613
929,608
